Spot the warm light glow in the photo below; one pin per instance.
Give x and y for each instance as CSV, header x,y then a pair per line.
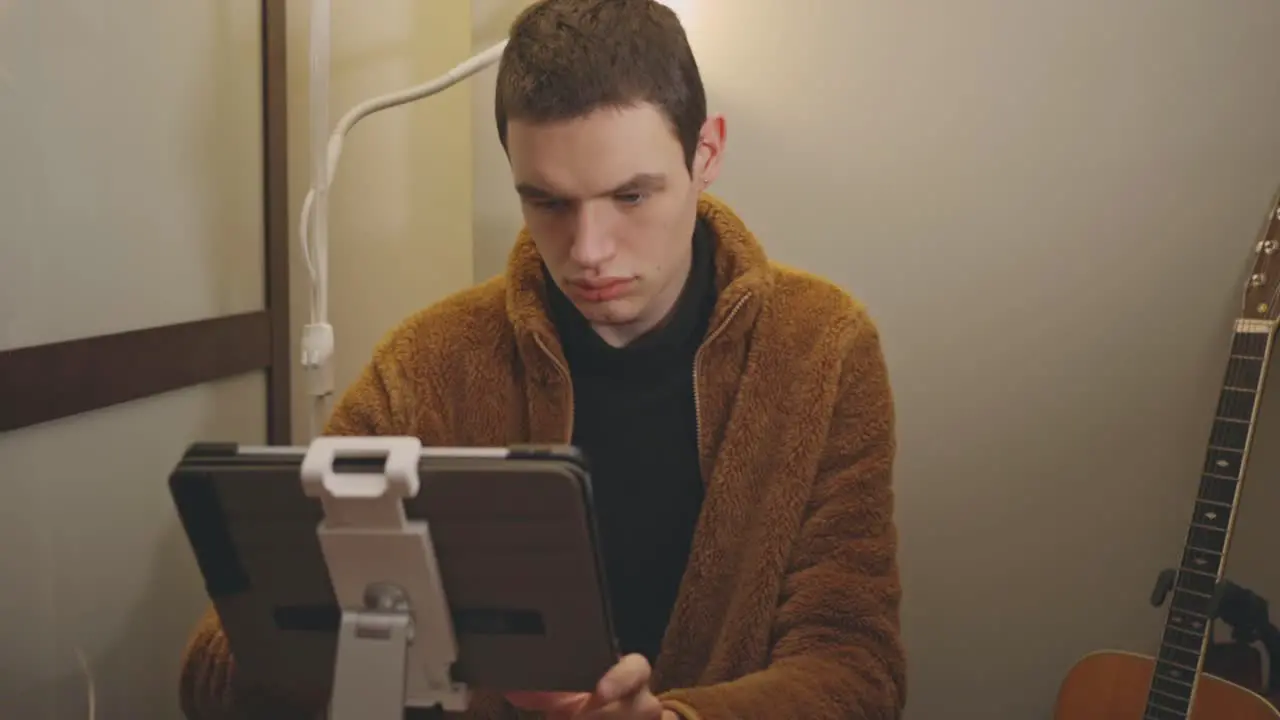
x,y
681,8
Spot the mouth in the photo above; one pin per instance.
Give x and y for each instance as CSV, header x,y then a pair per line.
x,y
600,290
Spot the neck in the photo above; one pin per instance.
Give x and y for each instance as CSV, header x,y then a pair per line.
x,y
1198,578
739,270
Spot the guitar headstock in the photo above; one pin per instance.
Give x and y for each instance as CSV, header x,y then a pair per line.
x,y
1262,292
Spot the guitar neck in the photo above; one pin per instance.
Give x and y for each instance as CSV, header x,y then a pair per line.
x,y
1190,617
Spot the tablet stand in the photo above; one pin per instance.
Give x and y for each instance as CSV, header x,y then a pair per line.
x,y
396,643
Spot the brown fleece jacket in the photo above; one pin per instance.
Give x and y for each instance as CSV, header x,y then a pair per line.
x,y
789,605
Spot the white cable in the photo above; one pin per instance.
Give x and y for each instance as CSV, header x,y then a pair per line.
x,y
91,692
317,335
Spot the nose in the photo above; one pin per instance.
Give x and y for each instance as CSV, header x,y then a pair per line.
x,y
593,245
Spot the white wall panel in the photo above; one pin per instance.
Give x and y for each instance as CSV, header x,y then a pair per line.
x,y
130,165
92,555
130,197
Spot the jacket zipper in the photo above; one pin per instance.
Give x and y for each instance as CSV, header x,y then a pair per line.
x,y
568,381
697,357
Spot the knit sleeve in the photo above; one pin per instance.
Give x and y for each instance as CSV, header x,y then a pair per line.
x,y
383,398
838,652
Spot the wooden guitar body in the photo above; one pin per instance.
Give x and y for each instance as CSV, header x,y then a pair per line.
x,y
1113,685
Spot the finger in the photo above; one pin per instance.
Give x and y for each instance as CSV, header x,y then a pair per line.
x,y
550,702
628,677
641,706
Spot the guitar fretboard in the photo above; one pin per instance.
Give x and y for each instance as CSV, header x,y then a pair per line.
x,y
1190,608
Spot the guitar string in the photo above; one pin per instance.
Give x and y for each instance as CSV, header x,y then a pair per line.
x,y
1266,259
1237,372
1216,439
1272,235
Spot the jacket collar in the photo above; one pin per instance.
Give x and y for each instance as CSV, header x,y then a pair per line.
x,y
742,281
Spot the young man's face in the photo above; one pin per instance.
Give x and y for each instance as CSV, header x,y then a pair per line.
x,y
611,205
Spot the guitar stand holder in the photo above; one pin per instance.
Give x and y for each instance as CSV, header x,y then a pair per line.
x,y
1168,577
1164,585
396,642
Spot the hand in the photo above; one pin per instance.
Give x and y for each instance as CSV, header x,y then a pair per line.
x,y
622,694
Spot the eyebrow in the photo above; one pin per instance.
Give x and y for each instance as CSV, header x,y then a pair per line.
x,y
638,182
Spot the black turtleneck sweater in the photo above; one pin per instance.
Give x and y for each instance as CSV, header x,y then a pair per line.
x,y
634,419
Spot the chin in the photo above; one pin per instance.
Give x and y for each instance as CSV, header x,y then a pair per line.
x,y
611,312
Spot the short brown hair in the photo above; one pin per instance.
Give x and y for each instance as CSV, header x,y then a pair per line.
x,y
568,58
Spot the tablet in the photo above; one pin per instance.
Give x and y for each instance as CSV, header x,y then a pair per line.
x,y
516,546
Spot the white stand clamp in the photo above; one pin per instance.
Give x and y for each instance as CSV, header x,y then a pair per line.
x,y
396,644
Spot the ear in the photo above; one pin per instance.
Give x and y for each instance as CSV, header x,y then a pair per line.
x,y
710,152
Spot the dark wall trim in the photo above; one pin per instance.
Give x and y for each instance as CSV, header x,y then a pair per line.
x,y
47,382
275,119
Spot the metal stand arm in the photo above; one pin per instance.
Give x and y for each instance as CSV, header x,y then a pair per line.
x,y
396,644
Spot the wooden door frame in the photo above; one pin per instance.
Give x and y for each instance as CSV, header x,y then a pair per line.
x,y
42,383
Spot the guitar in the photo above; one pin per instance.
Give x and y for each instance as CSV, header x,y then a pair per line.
x,y
1114,685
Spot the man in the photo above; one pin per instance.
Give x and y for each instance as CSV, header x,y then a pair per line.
x,y
737,414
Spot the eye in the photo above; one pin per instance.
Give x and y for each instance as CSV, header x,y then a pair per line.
x,y
549,205
633,198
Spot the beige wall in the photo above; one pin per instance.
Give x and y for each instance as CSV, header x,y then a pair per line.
x,y
131,196
399,223
495,209
1048,207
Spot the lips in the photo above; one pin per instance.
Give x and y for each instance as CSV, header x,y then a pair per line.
x,y
601,290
